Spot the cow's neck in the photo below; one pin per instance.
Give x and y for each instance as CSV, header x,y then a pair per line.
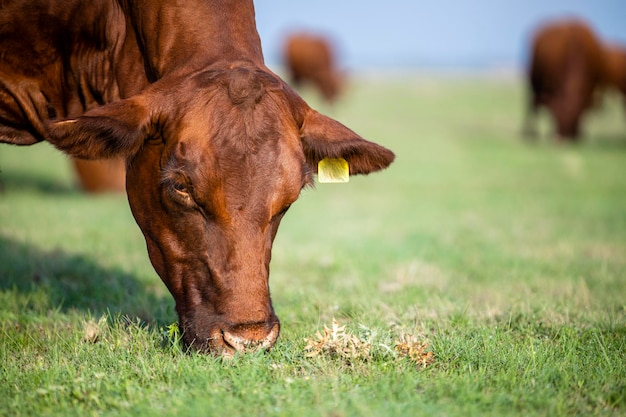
x,y
187,35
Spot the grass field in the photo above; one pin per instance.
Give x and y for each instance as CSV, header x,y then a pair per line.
x,y
507,259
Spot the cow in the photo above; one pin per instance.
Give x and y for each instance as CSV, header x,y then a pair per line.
x,y
100,176
567,68
616,67
217,147
311,58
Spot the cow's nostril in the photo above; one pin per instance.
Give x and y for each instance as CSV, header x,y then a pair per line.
x,y
234,342
250,339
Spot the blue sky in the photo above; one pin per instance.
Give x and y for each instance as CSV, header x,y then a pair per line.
x,y
429,33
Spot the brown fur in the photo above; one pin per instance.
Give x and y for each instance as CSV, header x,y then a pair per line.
x,y
217,146
616,67
569,67
100,176
311,58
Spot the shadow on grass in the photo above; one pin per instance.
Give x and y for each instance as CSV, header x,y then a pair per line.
x,y
608,142
10,180
74,282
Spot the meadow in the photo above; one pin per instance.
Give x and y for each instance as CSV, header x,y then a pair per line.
x,y
480,274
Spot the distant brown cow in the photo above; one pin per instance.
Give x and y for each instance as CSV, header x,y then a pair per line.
x,y
217,146
567,66
616,67
100,176
310,58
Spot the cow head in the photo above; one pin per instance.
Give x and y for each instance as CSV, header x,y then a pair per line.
x,y
214,162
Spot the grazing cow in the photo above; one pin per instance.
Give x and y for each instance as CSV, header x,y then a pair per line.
x,y
310,58
217,146
567,67
616,67
100,176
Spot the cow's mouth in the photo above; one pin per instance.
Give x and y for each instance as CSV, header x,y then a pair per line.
x,y
248,341
243,338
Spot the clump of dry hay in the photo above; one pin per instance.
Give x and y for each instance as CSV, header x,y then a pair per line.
x,y
93,331
337,342
408,346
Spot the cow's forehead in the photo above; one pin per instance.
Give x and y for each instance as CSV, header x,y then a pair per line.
x,y
236,126
242,108
241,142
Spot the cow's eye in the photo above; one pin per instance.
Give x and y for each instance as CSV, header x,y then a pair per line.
x,y
180,192
180,188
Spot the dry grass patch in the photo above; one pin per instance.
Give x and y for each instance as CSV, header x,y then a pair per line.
x,y
338,342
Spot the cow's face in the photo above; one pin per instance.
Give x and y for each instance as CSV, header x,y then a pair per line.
x,y
215,161
209,191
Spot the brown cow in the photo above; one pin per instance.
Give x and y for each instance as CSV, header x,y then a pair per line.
x,y
217,146
616,67
310,58
567,66
100,176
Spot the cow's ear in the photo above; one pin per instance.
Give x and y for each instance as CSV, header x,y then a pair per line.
x,y
324,137
113,130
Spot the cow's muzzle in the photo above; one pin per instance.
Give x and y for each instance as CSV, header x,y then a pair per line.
x,y
251,337
228,339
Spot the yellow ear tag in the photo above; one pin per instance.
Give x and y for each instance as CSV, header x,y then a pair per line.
x,y
333,170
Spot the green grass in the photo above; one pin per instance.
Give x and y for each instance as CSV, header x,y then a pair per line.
x,y
508,258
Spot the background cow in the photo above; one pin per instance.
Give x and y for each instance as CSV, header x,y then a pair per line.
x,y
217,146
567,66
616,67
311,58
100,176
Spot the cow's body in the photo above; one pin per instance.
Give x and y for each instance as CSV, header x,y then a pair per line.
x,y
567,67
616,67
52,69
311,58
100,176
217,146
95,70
